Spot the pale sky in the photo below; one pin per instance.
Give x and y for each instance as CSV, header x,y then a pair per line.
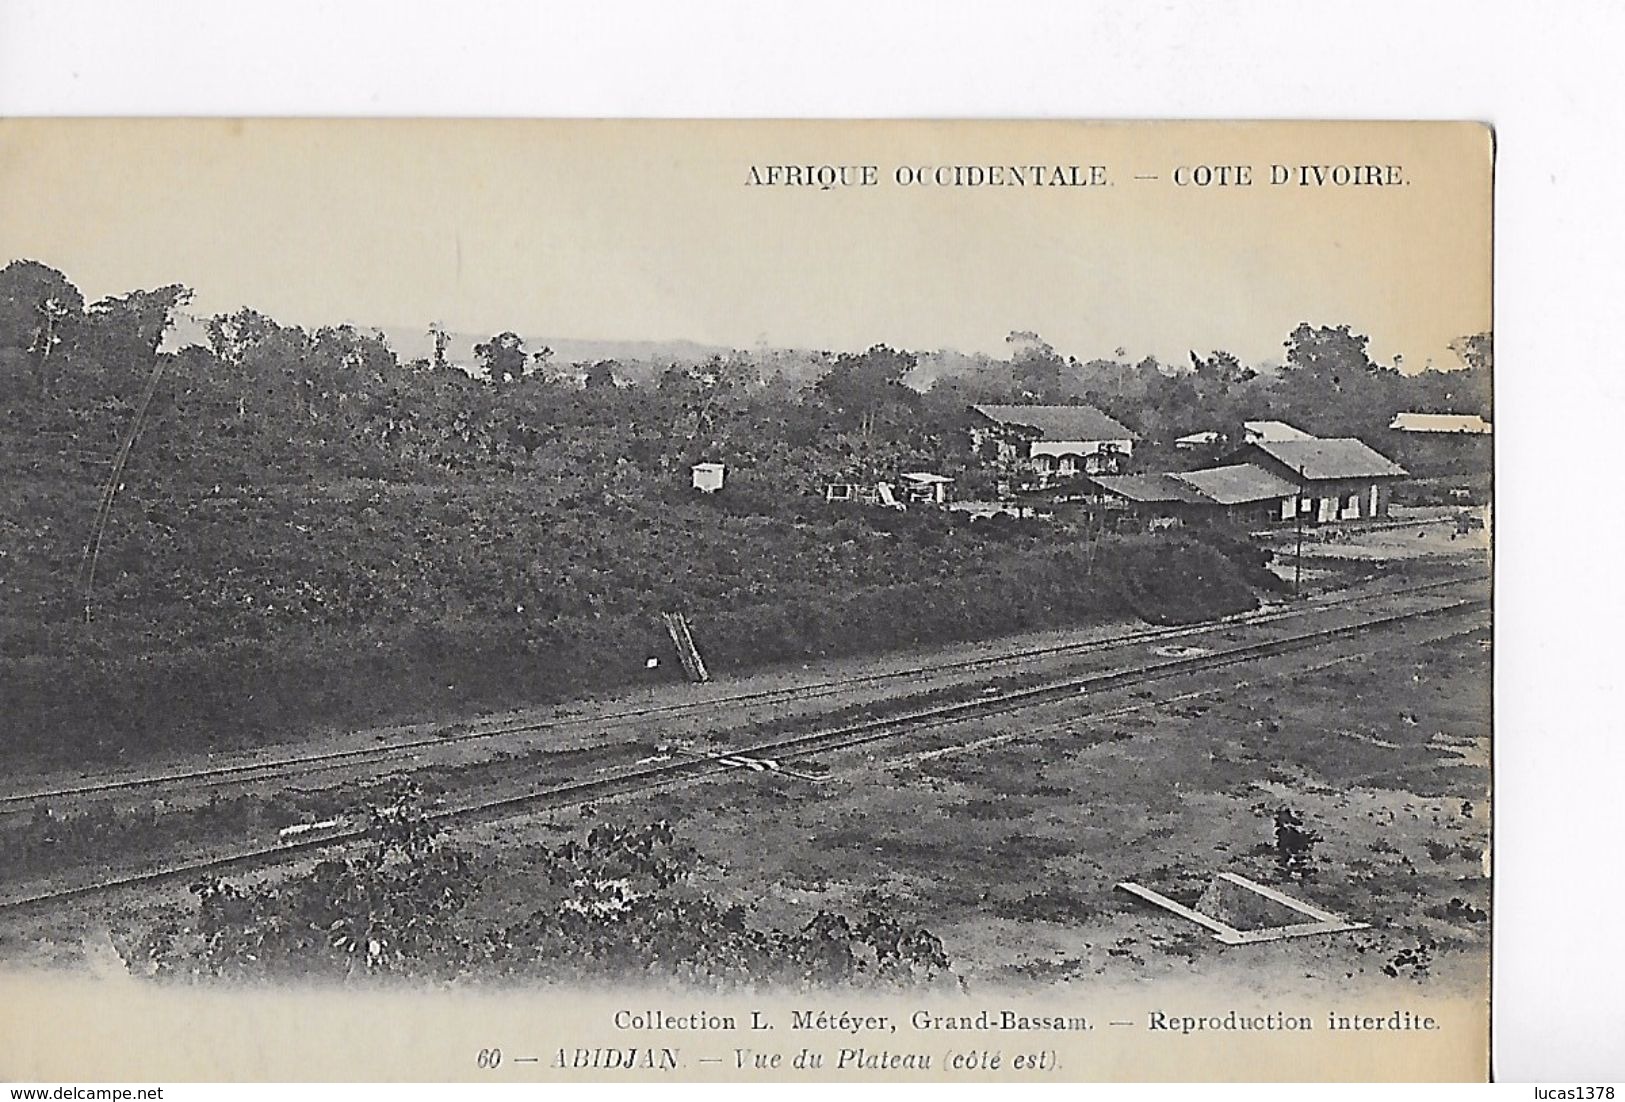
x,y
648,231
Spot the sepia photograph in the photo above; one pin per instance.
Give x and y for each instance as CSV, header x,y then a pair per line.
x,y
746,600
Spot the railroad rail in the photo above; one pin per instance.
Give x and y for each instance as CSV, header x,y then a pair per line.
x,y
701,766
302,764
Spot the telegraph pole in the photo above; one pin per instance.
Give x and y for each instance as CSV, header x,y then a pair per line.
x,y
1297,513
115,479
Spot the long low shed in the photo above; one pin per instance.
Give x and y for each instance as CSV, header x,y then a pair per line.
x,y
1241,493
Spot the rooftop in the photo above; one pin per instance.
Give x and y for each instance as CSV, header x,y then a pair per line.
x,y
1470,423
1150,488
1274,430
1238,484
1339,457
1060,422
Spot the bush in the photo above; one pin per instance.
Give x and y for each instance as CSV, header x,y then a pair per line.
x,y
616,904
366,603
1294,846
1174,579
1251,558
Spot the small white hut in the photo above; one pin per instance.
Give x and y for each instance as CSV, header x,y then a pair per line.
x,y
708,477
923,486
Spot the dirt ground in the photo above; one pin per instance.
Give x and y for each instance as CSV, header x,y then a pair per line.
x,y
1410,534
1006,838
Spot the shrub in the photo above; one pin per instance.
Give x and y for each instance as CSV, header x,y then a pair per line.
x,y
1294,847
615,904
1173,579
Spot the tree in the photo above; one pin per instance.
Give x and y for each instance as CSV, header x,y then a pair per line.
x,y
504,357
860,389
1476,350
351,362
1478,353
1331,383
1331,356
264,369
133,325
1035,366
441,338
232,336
866,402
705,402
1222,368
1225,389
39,310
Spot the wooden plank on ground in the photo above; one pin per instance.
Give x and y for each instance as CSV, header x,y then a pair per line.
x,y
1225,933
1282,898
1325,921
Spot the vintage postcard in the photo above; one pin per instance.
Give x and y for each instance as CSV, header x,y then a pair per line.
x,y
744,601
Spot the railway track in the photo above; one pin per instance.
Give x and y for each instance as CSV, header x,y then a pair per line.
x,y
304,764
650,777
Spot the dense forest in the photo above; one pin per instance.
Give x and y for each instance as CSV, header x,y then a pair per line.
x,y
282,526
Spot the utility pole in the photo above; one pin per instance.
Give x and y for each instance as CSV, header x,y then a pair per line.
x,y
115,479
1297,513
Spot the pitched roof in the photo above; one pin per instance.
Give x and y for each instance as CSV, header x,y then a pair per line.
x,y
1060,422
1274,430
1339,457
1237,484
1149,488
924,477
1440,422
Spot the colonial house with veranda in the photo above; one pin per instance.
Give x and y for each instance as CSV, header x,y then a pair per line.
x,y
1053,442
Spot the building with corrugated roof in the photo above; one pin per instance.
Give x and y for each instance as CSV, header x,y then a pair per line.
x,y
1243,485
1336,479
1436,445
1470,424
1242,493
